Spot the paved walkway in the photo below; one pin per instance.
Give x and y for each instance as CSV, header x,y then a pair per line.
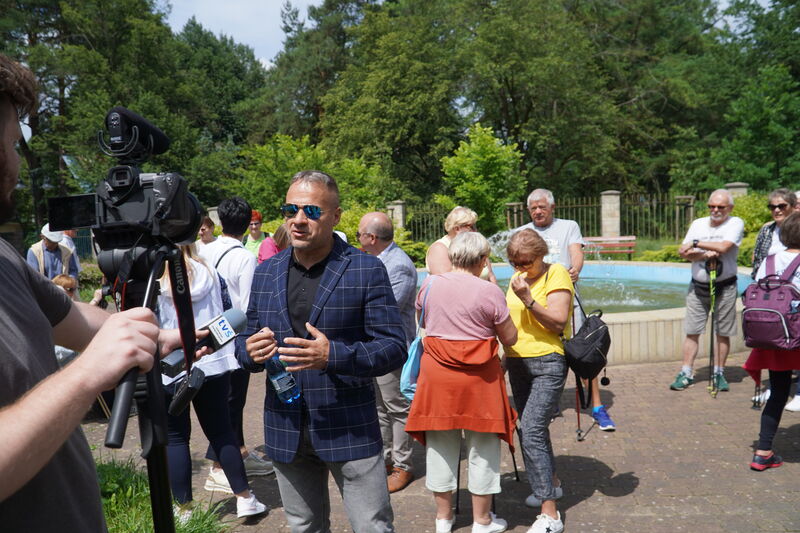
x,y
678,462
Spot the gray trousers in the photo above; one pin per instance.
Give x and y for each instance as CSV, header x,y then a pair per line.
x,y
303,485
537,383
393,414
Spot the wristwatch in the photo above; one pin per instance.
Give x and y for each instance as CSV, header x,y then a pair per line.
x,y
529,307
695,243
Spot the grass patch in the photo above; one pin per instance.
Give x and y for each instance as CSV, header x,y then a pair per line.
x,y
126,502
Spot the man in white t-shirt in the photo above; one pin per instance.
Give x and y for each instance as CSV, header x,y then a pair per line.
x,y
711,240
236,265
563,237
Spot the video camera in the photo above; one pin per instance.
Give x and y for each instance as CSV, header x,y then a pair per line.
x,y
139,220
131,211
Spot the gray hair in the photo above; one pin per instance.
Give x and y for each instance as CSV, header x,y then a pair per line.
x,y
784,194
541,193
468,249
726,192
319,178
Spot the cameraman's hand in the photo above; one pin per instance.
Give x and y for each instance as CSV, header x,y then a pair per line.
x,y
126,340
261,345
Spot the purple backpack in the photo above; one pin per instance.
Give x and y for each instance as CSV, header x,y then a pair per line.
x,y
771,316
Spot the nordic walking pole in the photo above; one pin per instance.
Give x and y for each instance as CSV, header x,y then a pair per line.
x,y
712,279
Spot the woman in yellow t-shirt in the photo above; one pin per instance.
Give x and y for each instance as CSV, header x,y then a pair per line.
x,y
539,300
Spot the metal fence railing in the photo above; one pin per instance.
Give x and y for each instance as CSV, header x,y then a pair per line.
x,y
583,210
652,216
647,216
656,216
426,221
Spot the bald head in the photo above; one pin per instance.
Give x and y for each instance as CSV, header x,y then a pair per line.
x,y
375,232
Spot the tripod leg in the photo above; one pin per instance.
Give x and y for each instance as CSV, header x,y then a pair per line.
x,y
514,462
103,406
579,431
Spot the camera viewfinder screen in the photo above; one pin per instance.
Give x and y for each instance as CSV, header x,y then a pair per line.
x,y
70,212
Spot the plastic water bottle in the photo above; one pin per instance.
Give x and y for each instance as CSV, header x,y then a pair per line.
x,y
285,385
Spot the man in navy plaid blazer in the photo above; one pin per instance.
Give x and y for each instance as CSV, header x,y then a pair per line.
x,y
328,311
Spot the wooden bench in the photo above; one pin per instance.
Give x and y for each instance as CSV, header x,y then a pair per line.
x,y
611,245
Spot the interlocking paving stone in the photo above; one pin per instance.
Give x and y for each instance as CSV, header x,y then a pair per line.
x,y
678,462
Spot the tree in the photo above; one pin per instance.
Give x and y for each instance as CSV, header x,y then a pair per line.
x,y
397,101
671,72
531,76
764,146
224,76
483,174
265,170
312,58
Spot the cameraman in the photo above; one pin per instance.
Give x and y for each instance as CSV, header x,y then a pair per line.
x,y
48,475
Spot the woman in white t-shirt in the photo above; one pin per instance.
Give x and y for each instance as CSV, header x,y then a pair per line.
x,y
779,362
210,402
781,204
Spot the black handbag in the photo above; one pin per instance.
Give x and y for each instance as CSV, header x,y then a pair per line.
x,y
587,351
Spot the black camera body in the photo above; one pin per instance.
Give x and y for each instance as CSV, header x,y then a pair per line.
x,y
131,211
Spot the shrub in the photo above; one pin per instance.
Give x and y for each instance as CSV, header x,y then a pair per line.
x,y
90,276
668,253
752,209
746,250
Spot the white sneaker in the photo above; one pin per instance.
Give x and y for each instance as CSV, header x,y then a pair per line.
x,y
533,501
495,526
547,524
794,405
444,525
256,466
249,506
181,514
762,397
217,482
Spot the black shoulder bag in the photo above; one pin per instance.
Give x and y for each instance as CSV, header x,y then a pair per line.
x,y
587,351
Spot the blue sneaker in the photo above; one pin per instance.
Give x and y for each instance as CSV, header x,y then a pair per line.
x,y
604,421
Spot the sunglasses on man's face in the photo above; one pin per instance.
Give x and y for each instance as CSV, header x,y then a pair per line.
x,y
773,207
720,207
312,212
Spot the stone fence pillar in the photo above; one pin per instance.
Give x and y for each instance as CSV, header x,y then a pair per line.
x,y
397,212
737,188
610,213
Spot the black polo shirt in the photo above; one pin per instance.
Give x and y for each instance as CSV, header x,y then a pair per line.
x,y
301,290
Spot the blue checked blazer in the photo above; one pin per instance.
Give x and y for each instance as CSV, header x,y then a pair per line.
x,y
356,309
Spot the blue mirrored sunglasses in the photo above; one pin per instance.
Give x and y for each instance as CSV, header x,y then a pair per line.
x,y
313,212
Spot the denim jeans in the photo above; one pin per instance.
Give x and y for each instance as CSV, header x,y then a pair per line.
x,y
537,383
237,397
209,406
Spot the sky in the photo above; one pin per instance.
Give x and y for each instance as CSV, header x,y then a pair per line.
x,y
256,23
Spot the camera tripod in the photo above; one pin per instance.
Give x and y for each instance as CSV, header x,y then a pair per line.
x,y
147,389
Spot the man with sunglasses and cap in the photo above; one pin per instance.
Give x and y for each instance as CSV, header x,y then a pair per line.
x,y
711,240
50,257
328,312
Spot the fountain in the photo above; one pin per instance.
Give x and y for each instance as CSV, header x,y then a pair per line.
x,y
643,303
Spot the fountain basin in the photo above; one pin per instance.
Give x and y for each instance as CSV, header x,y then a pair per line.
x,y
652,335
